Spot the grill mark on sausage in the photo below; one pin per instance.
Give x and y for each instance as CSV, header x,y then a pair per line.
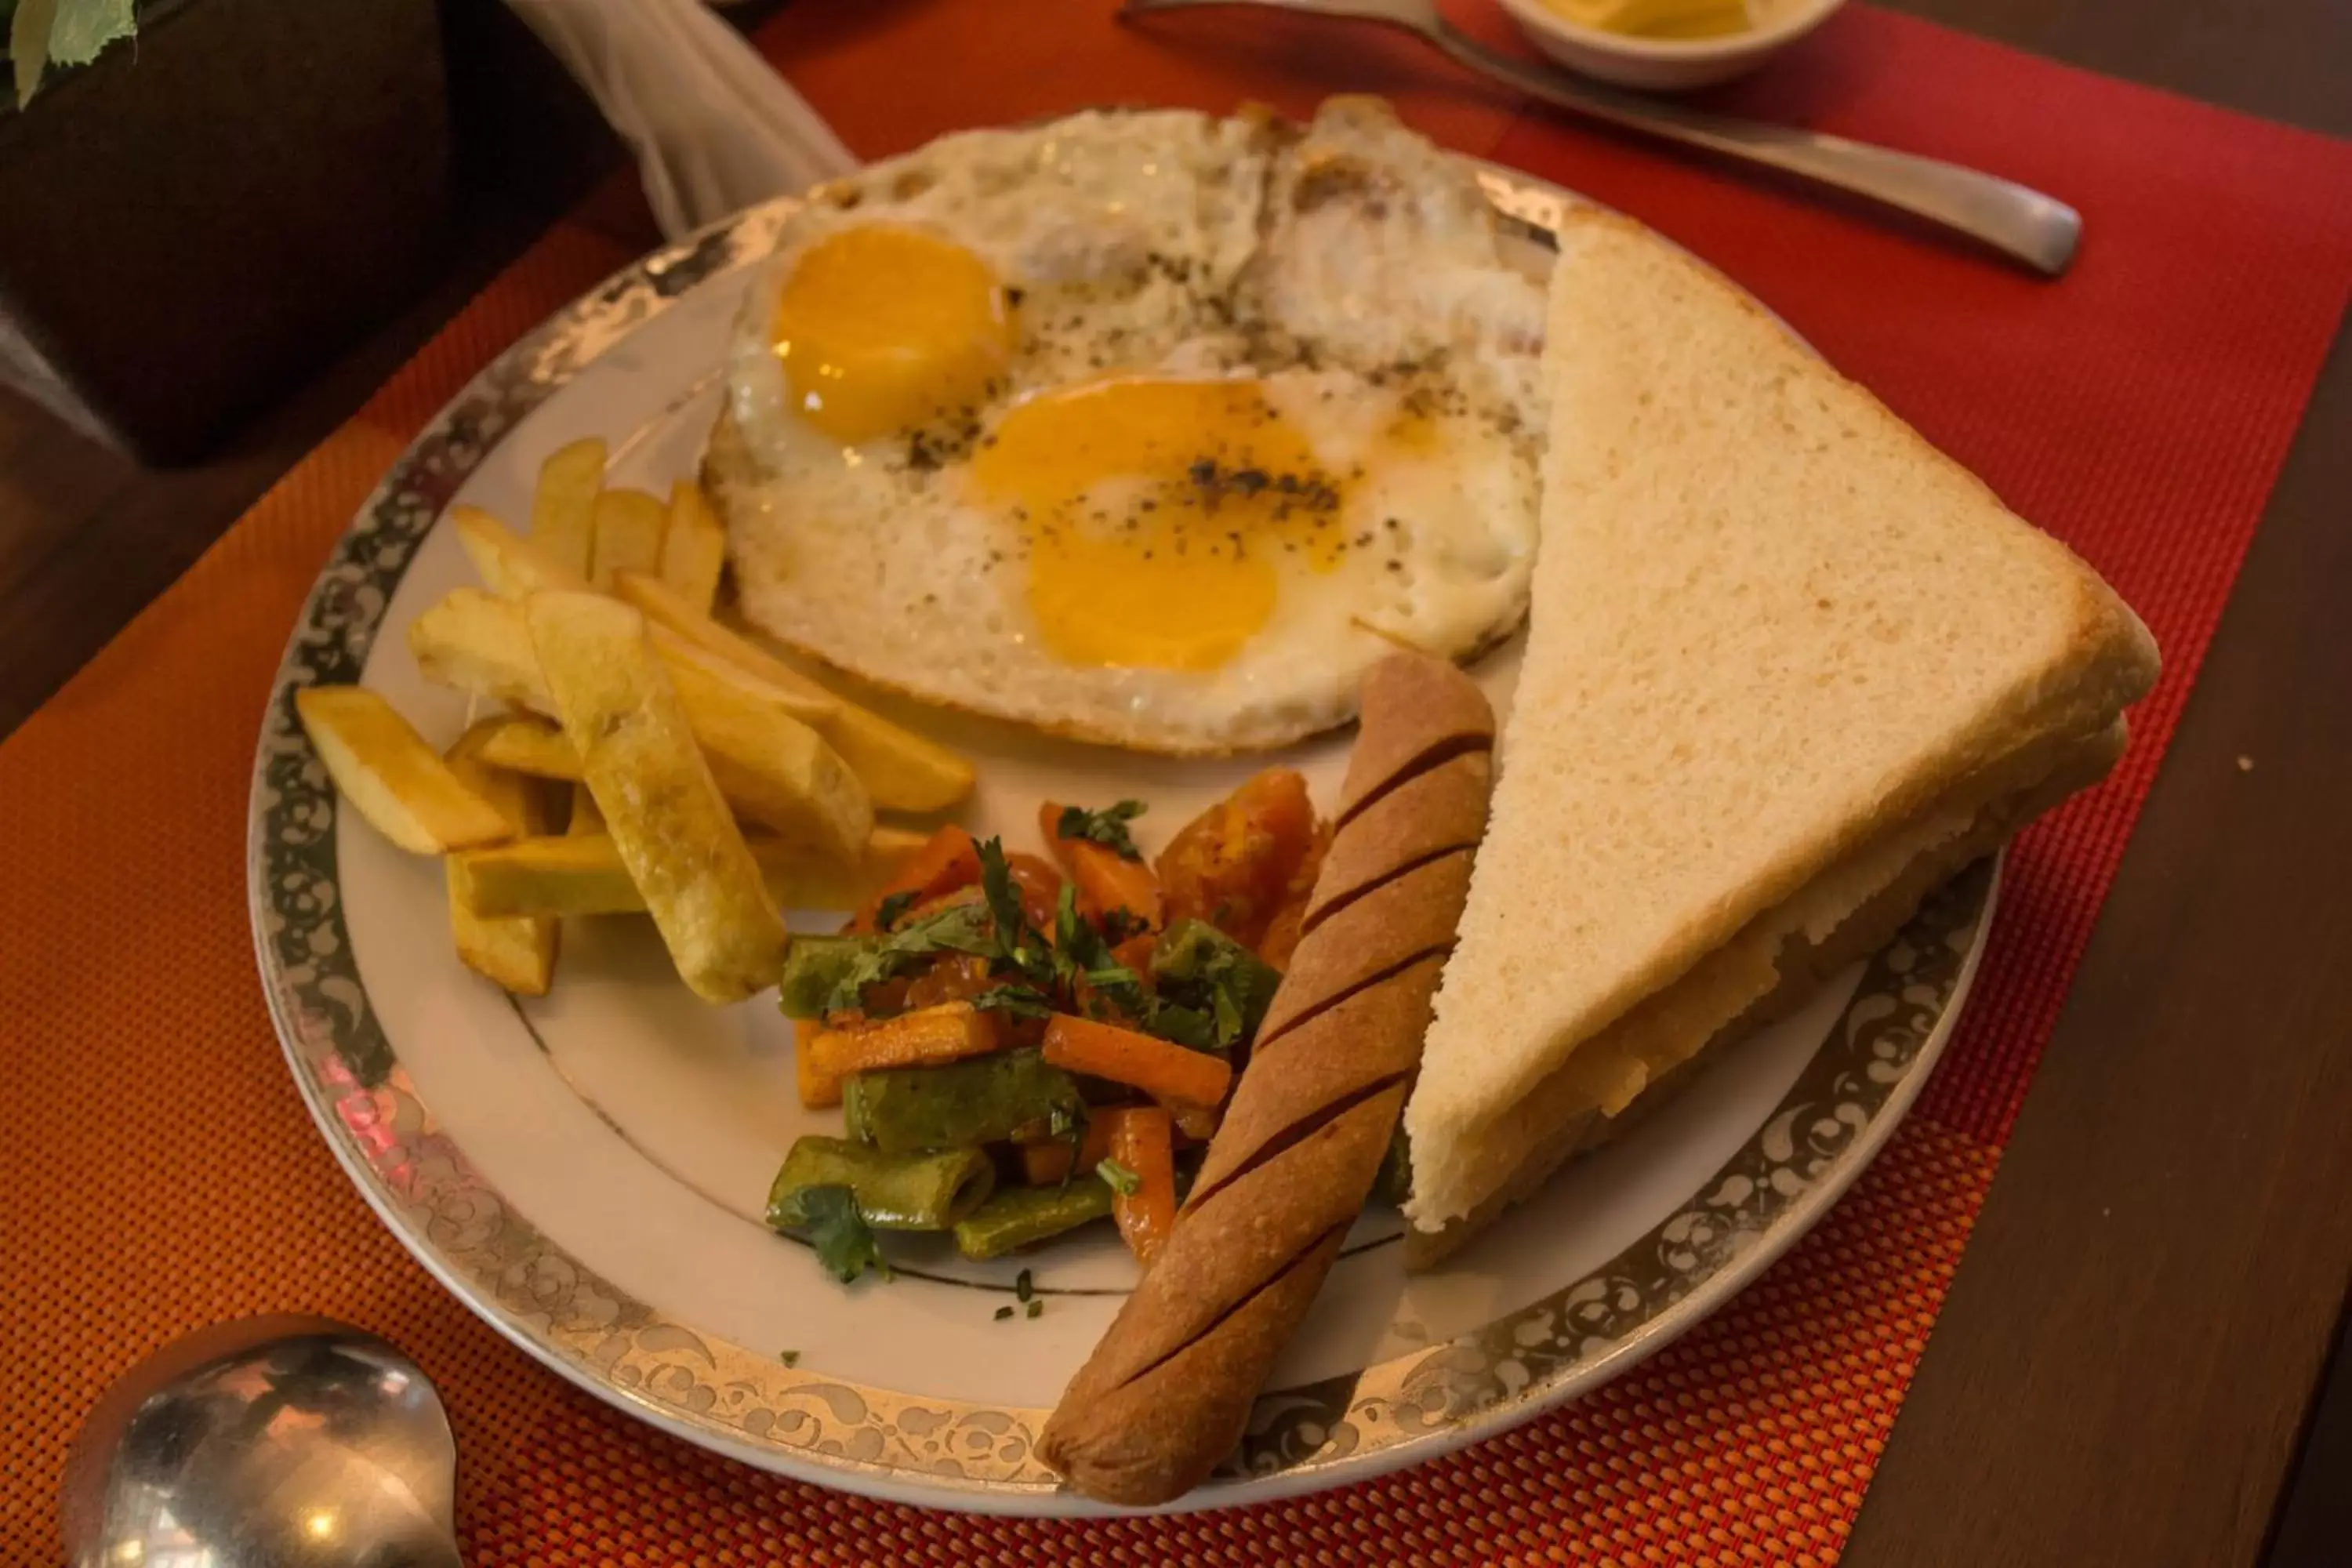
x,y
1290,1137
1436,756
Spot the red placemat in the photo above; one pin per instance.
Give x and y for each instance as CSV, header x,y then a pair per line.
x,y
161,1173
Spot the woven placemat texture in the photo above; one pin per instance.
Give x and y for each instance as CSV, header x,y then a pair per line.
x,y
159,1172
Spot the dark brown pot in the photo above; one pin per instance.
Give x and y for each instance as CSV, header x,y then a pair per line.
x,y
191,224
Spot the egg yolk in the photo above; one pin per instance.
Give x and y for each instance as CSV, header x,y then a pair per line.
x,y
883,329
1155,512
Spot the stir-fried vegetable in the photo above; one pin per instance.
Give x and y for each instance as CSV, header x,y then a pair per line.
x,y
1022,1216
949,861
925,1038
1093,847
929,1191
843,1241
820,1090
1232,865
1125,1055
1057,1161
1073,1021
1200,967
1106,827
1142,1145
980,1100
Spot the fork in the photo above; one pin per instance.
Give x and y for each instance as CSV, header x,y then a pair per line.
x,y
2020,223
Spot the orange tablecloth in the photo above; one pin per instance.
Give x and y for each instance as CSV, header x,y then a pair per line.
x,y
160,1173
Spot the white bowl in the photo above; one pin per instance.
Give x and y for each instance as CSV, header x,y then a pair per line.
x,y
1669,65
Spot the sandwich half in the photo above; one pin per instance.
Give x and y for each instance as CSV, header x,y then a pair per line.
x,y
1788,668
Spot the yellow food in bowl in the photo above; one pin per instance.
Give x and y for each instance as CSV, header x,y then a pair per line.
x,y
1657,18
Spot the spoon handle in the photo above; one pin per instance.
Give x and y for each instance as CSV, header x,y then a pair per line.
x,y
2019,222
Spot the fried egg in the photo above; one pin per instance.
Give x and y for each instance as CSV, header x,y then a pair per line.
x,y
1151,428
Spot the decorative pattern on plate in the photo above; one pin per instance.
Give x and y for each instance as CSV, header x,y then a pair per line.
x,y
749,1404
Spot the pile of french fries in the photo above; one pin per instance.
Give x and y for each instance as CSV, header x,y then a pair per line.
x,y
708,783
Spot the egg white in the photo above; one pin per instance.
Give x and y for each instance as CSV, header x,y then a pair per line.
x,y
1135,241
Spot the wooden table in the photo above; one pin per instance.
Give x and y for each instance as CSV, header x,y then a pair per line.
x,y
2133,1364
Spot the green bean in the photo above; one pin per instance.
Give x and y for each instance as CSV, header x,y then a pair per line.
x,y
894,1191
813,967
1021,1216
978,1101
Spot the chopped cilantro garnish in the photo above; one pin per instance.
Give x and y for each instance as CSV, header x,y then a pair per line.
x,y
1121,1180
1017,943
844,1243
959,928
1002,1314
1224,987
1106,827
790,1358
1121,923
1020,1001
1036,1307
894,909
1022,1285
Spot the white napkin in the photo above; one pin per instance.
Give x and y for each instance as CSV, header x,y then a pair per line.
x,y
714,128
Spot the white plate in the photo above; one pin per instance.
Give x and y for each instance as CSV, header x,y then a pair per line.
x,y
587,1171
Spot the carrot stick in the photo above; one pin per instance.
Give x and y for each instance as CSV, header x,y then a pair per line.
x,y
820,1090
924,1037
1123,1055
1194,1124
948,860
1106,879
1049,1165
1142,1140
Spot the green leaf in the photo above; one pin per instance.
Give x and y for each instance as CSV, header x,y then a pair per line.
x,y
957,929
1018,943
843,1242
892,909
28,45
1201,969
83,27
1118,1178
1106,827
1020,1001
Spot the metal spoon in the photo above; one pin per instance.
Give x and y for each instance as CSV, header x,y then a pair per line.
x,y
2019,222
271,1441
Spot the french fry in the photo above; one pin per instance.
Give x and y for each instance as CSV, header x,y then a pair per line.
x,y
775,769
526,744
668,822
629,527
773,766
390,776
516,952
902,770
474,641
585,821
693,551
583,875
563,509
508,563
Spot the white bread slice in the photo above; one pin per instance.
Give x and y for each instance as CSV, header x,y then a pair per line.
x,y
1782,652
1848,912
